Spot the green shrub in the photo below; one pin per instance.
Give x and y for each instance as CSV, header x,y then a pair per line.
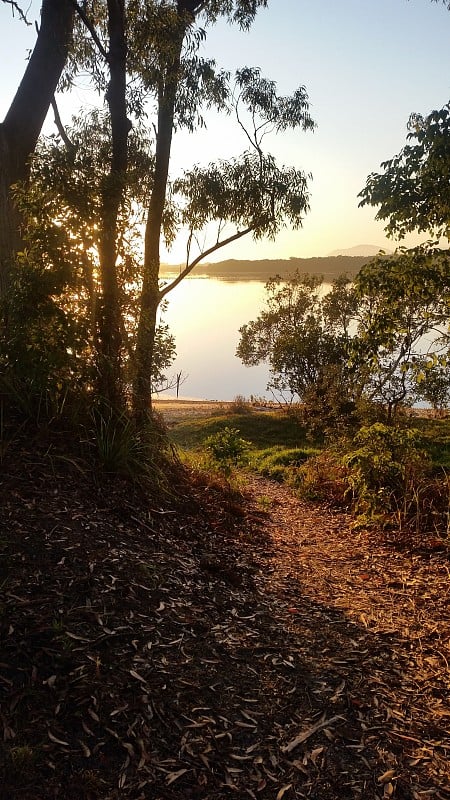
x,y
385,469
124,448
227,449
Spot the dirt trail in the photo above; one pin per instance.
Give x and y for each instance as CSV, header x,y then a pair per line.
x,y
374,623
259,649
370,622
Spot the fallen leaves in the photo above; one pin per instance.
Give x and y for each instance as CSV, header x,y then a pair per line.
x,y
126,661
306,734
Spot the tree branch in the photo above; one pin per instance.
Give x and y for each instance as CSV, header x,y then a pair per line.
x,y
189,267
60,127
15,7
81,13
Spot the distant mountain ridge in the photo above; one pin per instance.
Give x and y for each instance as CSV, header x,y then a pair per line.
x,y
233,269
360,250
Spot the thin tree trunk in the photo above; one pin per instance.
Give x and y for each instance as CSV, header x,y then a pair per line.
x,y
109,321
150,296
22,125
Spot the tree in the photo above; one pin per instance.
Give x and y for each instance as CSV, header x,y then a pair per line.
x,y
215,194
432,378
150,55
361,340
22,125
404,313
413,192
305,333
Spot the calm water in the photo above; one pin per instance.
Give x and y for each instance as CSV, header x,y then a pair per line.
x,y
205,315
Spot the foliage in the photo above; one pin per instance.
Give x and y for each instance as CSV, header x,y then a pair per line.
x,y
304,335
126,449
49,347
385,466
44,345
360,345
413,192
435,434
433,382
322,478
404,314
227,449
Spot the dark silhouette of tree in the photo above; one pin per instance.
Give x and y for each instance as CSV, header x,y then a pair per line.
x,y
22,124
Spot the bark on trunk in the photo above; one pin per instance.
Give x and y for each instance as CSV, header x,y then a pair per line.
x,y
150,296
22,125
9,224
109,322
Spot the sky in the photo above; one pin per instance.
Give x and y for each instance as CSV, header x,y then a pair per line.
x,y
366,65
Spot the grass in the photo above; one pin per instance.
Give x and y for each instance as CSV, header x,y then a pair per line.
x,y
279,443
263,430
436,436
282,449
279,439
278,462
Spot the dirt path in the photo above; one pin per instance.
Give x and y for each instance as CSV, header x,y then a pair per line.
x,y
370,622
260,649
373,623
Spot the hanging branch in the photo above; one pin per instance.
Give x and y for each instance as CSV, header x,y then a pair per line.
x,y
81,13
189,267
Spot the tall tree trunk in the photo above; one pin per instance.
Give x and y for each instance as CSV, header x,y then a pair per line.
x,y
150,296
22,125
109,321
9,223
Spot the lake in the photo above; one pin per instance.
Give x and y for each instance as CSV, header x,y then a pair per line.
x,y
204,315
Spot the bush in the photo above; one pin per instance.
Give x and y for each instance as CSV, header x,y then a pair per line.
x,y
385,469
124,448
227,449
240,405
323,478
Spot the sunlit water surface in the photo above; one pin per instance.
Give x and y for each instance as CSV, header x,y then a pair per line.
x,y
205,315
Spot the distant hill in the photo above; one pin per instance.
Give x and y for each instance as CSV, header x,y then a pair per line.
x,y
360,250
329,266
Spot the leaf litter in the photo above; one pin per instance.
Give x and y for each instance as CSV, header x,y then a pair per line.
x,y
215,651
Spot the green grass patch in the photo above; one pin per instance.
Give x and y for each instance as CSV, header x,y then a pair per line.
x,y
279,443
436,439
263,430
278,462
281,449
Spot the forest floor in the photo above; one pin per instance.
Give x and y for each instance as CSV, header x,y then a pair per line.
x,y
225,646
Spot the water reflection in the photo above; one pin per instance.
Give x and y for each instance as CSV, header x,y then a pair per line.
x,y
205,315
